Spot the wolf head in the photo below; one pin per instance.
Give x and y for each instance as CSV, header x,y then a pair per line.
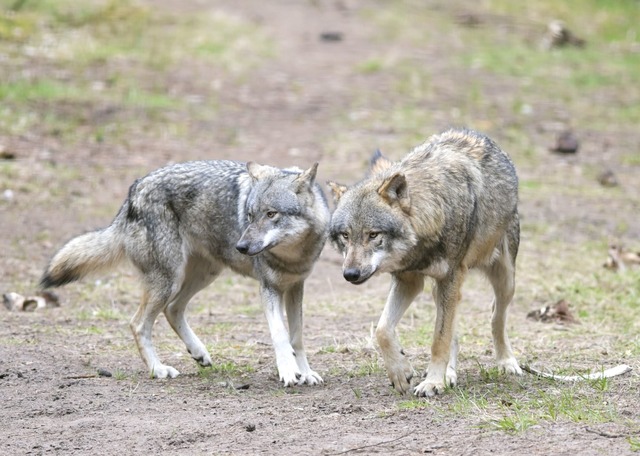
x,y
371,224
280,209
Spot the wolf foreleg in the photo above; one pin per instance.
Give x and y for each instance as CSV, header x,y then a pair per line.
x,y
288,369
293,302
444,347
404,288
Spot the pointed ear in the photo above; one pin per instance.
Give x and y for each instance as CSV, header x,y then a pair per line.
x,y
394,191
307,178
257,171
337,190
379,163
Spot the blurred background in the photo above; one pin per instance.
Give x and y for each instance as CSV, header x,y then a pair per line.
x,y
94,94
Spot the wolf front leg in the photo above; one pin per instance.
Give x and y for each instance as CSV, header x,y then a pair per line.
x,y
293,301
444,348
272,300
404,288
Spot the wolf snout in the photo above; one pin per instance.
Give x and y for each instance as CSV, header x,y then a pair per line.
x,y
352,275
242,247
248,248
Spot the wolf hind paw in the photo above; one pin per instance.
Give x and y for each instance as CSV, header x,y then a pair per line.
x,y
401,381
162,371
200,354
451,377
509,366
203,359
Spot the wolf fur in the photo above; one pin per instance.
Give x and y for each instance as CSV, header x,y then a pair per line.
x,y
449,206
181,225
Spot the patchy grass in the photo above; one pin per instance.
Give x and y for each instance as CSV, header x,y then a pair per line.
x,y
571,75
505,48
515,406
226,369
110,59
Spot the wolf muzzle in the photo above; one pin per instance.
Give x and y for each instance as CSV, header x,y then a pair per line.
x,y
355,276
244,247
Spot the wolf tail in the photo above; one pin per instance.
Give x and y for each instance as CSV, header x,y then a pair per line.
x,y
83,255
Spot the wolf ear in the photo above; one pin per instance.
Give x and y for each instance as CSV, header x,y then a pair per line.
x,y
337,190
307,178
394,191
257,171
379,163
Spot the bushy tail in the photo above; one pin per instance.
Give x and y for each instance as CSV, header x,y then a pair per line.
x,y
83,255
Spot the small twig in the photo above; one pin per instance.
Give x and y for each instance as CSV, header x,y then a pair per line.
x,y
133,390
605,434
76,377
372,445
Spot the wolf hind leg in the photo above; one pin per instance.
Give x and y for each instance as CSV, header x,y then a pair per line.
x,y
451,375
154,300
501,275
198,274
404,289
293,303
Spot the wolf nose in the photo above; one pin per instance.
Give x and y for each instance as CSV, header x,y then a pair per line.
x,y
242,247
351,274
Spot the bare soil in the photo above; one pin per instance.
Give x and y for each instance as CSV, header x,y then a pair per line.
x,y
281,113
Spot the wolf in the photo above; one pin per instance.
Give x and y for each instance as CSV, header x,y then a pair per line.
x,y
449,206
183,224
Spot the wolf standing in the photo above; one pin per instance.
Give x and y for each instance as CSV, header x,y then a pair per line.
x,y
183,224
449,206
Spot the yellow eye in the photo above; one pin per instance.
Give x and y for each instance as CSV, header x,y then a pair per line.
x,y
271,214
373,235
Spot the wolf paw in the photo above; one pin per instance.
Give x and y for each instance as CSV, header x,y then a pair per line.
x,y
429,388
162,371
202,357
451,377
290,378
289,373
400,375
509,366
310,378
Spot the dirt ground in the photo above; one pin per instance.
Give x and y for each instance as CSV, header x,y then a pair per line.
x,y
283,112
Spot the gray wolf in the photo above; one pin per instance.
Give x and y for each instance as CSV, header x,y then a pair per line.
x,y
449,206
181,225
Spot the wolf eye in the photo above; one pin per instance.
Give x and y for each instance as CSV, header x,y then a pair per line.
x,y
345,236
249,218
271,214
373,235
